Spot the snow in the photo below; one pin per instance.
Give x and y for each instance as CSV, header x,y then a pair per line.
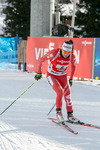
x,y
25,125
8,66
66,9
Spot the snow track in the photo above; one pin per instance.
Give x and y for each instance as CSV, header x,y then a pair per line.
x,y
24,126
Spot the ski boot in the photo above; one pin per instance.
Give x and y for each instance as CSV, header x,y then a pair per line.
x,y
59,115
71,118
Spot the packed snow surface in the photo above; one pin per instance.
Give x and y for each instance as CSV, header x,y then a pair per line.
x,y
25,125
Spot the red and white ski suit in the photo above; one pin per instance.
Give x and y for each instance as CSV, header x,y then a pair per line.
x,y
57,75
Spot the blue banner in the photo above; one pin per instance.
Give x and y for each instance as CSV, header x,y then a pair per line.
x,y
97,59
8,51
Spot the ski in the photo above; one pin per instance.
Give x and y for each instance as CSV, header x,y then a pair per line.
x,y
63,124
85,124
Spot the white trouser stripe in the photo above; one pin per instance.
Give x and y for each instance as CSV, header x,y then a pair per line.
x,y
50,80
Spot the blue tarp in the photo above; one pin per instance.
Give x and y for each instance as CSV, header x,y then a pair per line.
x,y
8,51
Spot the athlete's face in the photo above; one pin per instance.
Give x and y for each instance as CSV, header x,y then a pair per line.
x,y
65,53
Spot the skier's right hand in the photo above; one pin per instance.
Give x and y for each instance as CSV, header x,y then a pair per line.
x,y
38,76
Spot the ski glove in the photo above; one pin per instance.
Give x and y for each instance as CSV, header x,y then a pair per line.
x,y
38,76
70,82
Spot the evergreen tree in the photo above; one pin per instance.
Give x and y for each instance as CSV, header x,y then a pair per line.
x,y
88,19
17,19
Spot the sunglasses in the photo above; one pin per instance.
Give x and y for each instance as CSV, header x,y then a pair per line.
x,y
65,52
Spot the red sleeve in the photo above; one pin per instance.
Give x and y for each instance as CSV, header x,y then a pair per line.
x,y
48,56
73,65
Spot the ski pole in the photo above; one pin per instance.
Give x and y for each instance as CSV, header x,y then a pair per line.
x,y
18,97
51,109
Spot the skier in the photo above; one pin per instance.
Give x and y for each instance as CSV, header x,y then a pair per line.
x,y
59,60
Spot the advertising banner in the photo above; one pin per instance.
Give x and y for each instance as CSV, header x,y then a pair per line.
x,y
83,49
97,59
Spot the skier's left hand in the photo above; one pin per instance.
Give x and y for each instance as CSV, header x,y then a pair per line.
x,y
70,82
38,76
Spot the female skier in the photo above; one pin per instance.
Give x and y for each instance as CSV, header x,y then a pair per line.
x,y
59,59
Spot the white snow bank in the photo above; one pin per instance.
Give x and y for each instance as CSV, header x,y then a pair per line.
x,y
12,138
